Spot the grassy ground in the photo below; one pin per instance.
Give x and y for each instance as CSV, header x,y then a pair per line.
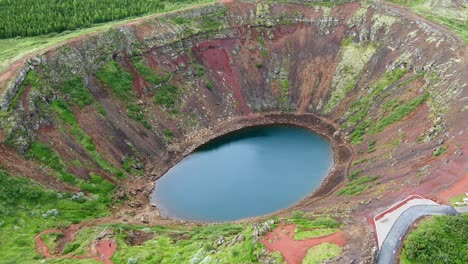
x,y
455,20
358,185
189,244
458,198
16,48
322,226
26,208
322,252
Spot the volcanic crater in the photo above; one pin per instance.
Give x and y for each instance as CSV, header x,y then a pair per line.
x,y
384,86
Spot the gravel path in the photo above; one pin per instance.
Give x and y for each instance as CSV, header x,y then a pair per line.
x,y
393,241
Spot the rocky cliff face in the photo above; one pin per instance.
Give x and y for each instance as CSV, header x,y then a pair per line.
x,y
110,103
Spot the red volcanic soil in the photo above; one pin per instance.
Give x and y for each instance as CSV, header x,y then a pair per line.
x,y
105,249
458,188
213,54
294,251
101,250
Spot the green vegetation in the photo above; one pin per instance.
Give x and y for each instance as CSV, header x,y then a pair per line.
x,y
454,19
321,226
118,79
150,76
399,112
15,48
32,80
354,57
258,65
44,154
357,185
200,70
360,107
179,244
440,150
438,239
285,86
168,134
354,174
98,186
371,146
26,208
121,83
167,96
76,93
322,252
33,18
359,161
208,22
67,116
209,85
347,41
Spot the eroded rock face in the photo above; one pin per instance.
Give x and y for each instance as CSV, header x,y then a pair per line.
x,y
388,83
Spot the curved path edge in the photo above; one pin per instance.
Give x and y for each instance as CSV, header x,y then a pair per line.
x,y
394,239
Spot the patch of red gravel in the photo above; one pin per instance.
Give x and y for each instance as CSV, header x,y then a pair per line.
x,y
105,250
293,251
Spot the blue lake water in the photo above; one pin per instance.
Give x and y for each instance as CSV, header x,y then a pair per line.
x,y
251,172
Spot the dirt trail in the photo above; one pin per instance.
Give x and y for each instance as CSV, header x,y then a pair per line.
x,y
101,250
294,251
105,249
41,247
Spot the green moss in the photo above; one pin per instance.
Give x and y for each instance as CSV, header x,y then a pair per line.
x,y
200,70
371,146
285,85
168,134
76,92
261,40
310,228
354,57
130,164
44,154
121,83
30,79
99,186
357,185
179,244
360,107
319,254
209,85
64,112
119,80
359,161
166,96
439,151
354,174
67,116
399,113
151,77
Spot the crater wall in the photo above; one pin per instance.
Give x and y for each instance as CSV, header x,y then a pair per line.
x,y
127,103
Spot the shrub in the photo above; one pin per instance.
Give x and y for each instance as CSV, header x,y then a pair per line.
x,y
209,85
438,239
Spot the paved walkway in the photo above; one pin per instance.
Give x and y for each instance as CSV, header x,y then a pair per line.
x,y
461,209
392,242
385,220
